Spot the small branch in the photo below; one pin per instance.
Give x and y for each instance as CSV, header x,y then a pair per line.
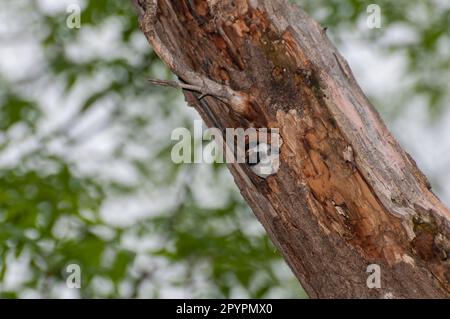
x,y
185,86
237,101
177,85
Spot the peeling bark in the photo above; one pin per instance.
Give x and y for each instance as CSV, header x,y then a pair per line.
x,y
346,195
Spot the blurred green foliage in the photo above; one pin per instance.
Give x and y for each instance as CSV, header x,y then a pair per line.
x,y
50,210
427,57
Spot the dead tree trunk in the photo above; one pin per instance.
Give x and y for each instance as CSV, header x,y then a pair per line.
x,y
346,195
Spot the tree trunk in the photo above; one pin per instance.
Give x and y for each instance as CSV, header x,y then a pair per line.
x,y
346,195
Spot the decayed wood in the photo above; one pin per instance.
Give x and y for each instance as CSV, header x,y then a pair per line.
x,y
346,195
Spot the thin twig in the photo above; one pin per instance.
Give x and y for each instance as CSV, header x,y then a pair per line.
x,y
176,85
237,100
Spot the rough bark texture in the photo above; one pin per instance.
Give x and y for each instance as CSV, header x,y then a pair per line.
x,y
346,195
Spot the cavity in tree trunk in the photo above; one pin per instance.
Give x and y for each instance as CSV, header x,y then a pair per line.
x,y
346,195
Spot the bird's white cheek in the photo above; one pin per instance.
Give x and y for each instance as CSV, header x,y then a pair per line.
x,y
268,165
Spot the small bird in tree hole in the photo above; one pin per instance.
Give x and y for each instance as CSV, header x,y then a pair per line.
x,y
263,159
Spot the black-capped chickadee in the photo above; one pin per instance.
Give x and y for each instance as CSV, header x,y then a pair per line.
x,y
263,159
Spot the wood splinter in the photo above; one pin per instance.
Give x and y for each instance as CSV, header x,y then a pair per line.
x,y
183,86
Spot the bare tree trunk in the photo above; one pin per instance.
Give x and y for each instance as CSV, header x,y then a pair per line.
x,y
346,195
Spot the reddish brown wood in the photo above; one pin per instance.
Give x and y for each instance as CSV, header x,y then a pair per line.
x,y
346,195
